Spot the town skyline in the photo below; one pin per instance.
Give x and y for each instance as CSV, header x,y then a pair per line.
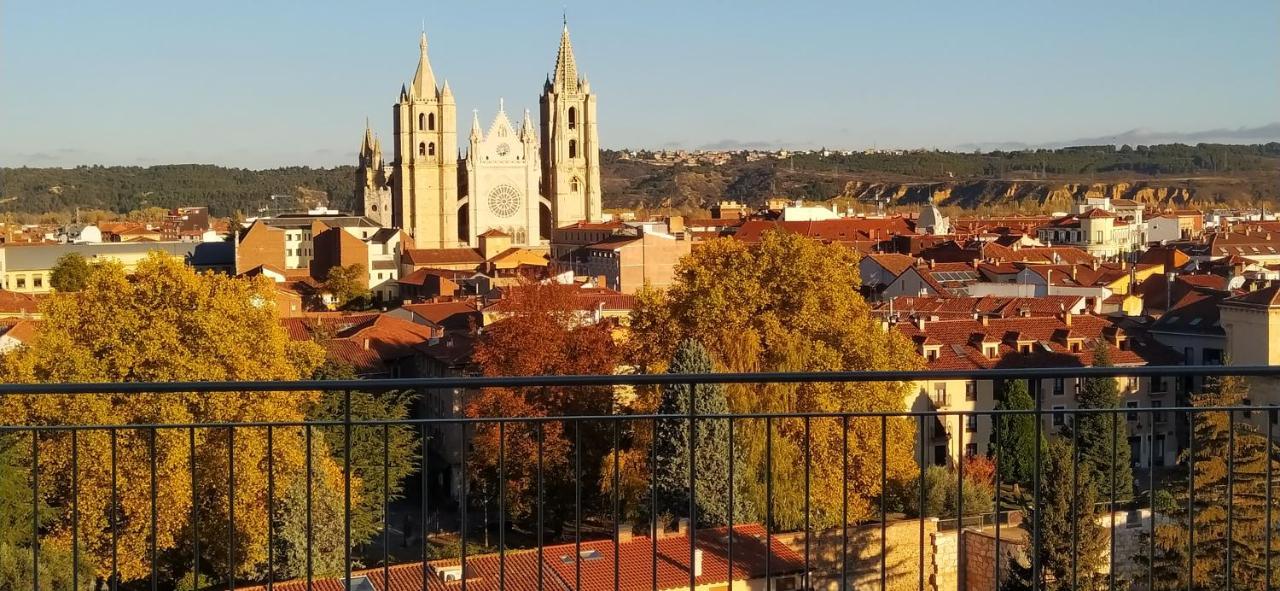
x,y
272,91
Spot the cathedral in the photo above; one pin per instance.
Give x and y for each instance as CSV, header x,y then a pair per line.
x,y
511,177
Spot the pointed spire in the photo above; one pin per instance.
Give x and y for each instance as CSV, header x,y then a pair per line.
x,y
566,72
501,105
367,144
424,82
475,124
526,126
446,92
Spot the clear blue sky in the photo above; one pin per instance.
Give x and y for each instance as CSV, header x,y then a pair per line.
x,y
271,83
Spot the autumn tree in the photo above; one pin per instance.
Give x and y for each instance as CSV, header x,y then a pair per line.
x,y
543,330
166,322
349,285
70,272
787,303
709,445
1230,486
1104,447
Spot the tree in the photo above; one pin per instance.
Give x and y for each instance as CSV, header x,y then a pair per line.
x,y
1104,447
787,303
70,273
710,445
1245,498
1016,445
349,285
543,331
16,523
166,322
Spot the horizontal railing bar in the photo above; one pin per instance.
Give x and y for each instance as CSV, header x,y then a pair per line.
x,y
644,379
650,417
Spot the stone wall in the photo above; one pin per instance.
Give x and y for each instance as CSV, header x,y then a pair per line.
x,y
863,560
980,557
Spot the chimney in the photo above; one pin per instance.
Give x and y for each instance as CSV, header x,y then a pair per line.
x,y
1073,272
930,263
1066,318
976,262
366,344
682,526
984,319
625,534
697,562
919,322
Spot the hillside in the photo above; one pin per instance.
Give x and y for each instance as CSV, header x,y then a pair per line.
x,y
1030,180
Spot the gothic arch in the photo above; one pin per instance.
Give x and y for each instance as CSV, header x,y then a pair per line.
x,y
422,149
431,149
422,121
573,118
431,121
573,148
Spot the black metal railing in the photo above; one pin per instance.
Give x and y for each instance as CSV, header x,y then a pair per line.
x,y
226,505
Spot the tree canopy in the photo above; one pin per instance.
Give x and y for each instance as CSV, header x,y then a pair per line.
x,y
70,273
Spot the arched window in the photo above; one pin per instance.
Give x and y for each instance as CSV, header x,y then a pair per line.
x,y
574,185
422,149
573,118
431,149
573,148
422,121
431,121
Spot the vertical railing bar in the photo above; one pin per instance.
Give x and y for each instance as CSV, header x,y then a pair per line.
x,y
653,504
884,515
502,505
466,502
538,432
693,507
1115,458
76,509
1075,502
155,493
231,508
963,421
844,503
35,510
729,537
1035,492
577,504
923,463
1191,500
310,467
768,500
271,508
424,504
115,511
617,506
346,487
1231,494
808,532
1151,504
195,509
1271,419
386,505
995,447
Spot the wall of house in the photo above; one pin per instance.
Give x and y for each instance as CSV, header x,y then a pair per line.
x,y
652,260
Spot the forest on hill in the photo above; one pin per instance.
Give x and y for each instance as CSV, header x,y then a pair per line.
x,y
640,179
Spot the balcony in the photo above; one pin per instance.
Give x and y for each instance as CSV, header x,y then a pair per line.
x,y
519,502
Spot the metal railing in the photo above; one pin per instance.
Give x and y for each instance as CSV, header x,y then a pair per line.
x,y
63,470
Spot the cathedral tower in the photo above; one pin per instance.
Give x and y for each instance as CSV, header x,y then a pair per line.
x,y
424,198
372,190
570,142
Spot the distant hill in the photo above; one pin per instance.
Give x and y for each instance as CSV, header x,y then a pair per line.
x,y
1173,173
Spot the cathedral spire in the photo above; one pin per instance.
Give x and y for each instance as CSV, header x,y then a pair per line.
x,y
424,82
367,144
475,124
566,73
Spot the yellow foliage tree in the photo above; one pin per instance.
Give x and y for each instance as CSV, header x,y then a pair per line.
x,y
166,322
788,303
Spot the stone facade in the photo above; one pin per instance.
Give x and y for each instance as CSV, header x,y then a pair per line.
x,y
503,171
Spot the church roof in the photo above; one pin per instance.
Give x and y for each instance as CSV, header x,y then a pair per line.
x,y
566,72
424,82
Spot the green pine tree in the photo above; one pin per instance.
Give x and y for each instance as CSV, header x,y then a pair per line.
x,y
1103,437
711,446
1017,435
1213,460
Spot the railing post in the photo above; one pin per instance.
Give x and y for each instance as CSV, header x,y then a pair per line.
x,y
346,486
693,507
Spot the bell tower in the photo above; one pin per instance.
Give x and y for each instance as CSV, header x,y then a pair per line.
x,y
424,197
570,142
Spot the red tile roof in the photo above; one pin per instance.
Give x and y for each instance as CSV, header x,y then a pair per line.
x,y
844,230
427,257
12,302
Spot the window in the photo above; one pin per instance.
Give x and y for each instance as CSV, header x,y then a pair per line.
x,y
573,118
573,148
422,149
431,149
1157,415
1059,418
573,185
37,281
785,584
1024,347
940,393
431,122
1132,416
1157,384
931,354
971,391
1248,414
1059,386
970,450
971,423
22,282
422,121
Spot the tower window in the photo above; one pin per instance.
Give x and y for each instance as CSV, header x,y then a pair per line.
x,y
431,121
573,118
573,148
574,185
422,149
422,121
431,149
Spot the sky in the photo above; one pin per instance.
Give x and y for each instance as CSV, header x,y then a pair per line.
x,y
290,82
